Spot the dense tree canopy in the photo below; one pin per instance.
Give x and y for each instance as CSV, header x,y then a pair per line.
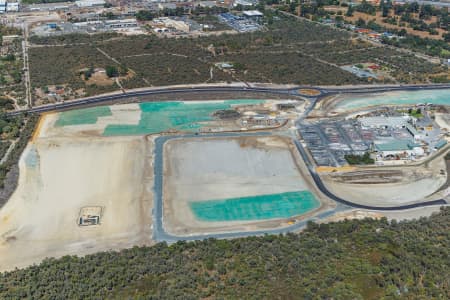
x,y
359,259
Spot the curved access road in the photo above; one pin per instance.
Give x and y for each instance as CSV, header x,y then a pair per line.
x,y
321,186
324,91
151,91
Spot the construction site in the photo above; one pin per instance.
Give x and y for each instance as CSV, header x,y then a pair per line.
x,y
100,199
116,176
394,143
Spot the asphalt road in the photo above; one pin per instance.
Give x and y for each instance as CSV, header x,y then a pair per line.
x,y
214,89
161,91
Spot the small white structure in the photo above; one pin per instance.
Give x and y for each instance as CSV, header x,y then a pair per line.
x,y
242,2
12,7
208,4
169,5
413,131
2,6
254,14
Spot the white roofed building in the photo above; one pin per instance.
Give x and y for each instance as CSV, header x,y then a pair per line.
x,y
89,3
252,13
384,122
2,6
12,7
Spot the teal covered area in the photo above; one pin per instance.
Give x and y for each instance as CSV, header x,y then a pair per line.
x,y
438,97
262,207
82,116
161,116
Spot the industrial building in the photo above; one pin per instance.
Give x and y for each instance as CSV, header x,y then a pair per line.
x,y
384,122
398,148
239,23
12,7
8,6
253,14
62,6
388,136
117,24
3,6
413,131
89,3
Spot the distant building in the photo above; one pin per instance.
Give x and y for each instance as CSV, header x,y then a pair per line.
x,y
116,24
12,7
206,4
384,122
398,148
89,3
413,131
242,2
2,6
169,5
253,14
49,7
6,39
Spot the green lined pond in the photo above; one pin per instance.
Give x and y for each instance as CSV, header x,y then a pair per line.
x,y
262,207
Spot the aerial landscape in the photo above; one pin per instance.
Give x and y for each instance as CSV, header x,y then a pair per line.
x,y
224,149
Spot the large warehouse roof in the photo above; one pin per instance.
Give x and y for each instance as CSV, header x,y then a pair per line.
x,y
384,121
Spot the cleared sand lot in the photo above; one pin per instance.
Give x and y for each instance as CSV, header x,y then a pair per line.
x,y
202,169
59,176
416,185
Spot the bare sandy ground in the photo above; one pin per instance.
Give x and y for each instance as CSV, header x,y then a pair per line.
x,y
418,184
204,169
443,120
59,176
409,214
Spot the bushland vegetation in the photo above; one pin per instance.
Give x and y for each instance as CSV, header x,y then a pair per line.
x,y
15,127
358,259
288,51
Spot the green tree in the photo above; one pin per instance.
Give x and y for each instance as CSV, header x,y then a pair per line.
x,y
112,71
350,11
